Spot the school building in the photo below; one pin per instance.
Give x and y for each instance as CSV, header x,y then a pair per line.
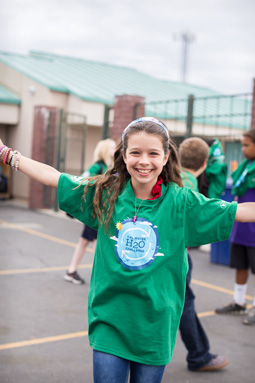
x,y
55,109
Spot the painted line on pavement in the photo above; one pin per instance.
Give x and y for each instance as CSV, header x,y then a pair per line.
x,y
41,235
34,342
87,266
72,244
41,269
217,288
47,269
50,339
206,314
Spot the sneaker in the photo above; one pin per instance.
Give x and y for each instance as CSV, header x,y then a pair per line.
x,y
216,363
250,319
232,308
74,278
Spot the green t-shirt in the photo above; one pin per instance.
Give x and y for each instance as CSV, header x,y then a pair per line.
x,y
216,170
243,178
98,167
189,180
137,286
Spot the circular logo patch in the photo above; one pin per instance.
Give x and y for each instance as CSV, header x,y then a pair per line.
x,y
136,243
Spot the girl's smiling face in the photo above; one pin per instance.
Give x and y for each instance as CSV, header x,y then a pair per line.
x,y
144,159
248,148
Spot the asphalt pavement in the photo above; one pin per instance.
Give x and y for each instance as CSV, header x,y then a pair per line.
x,y
43,321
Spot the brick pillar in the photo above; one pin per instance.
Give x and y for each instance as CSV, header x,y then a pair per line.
x,y
124,113
45,126
253,107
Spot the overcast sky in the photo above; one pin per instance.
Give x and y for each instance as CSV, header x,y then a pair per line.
x,y
142,34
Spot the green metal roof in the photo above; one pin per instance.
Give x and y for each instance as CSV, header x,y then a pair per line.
x,y
100,82
95,81
8,97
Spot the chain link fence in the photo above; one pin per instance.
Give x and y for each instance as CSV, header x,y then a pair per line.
x,y
222,116
225,117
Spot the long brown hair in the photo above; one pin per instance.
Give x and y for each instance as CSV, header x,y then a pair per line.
x,y
109,186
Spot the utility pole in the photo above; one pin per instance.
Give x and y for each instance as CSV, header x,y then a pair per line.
x,y
186,38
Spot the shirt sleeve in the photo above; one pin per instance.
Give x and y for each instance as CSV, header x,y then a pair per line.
x,y
94,170
207,220
70,199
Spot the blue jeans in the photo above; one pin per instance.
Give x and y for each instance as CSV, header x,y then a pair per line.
x,y
108,368
192,332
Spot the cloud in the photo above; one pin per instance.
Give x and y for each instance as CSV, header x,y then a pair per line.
x,y
141,35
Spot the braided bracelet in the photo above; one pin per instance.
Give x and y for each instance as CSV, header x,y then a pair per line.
x,y
12,161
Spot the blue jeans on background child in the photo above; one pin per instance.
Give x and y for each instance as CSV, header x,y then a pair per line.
x,y
108,368
192,332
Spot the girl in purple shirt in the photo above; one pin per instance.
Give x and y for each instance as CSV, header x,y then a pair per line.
x,y
242,251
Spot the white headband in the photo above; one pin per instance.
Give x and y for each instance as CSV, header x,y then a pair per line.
x,y
142,119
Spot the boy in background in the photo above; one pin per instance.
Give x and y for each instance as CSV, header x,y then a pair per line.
x,y
194,153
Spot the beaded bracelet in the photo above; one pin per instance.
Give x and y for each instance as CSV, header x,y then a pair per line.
x,y
6,155
17,161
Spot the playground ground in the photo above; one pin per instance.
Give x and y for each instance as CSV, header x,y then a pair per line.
x,y
43,322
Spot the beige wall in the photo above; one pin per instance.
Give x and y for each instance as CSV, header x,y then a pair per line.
x,y
9,114
31,94
34,94
93,111
4,133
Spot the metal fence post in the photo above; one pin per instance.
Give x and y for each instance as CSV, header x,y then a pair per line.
x,y
105,127
59,137
189,119
136,106
83,146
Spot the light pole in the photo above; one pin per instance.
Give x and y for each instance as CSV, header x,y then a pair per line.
x,y
186,38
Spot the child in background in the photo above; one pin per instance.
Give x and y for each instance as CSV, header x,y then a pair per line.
x,y
242,251
212,182
103,159
194,154
145,221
